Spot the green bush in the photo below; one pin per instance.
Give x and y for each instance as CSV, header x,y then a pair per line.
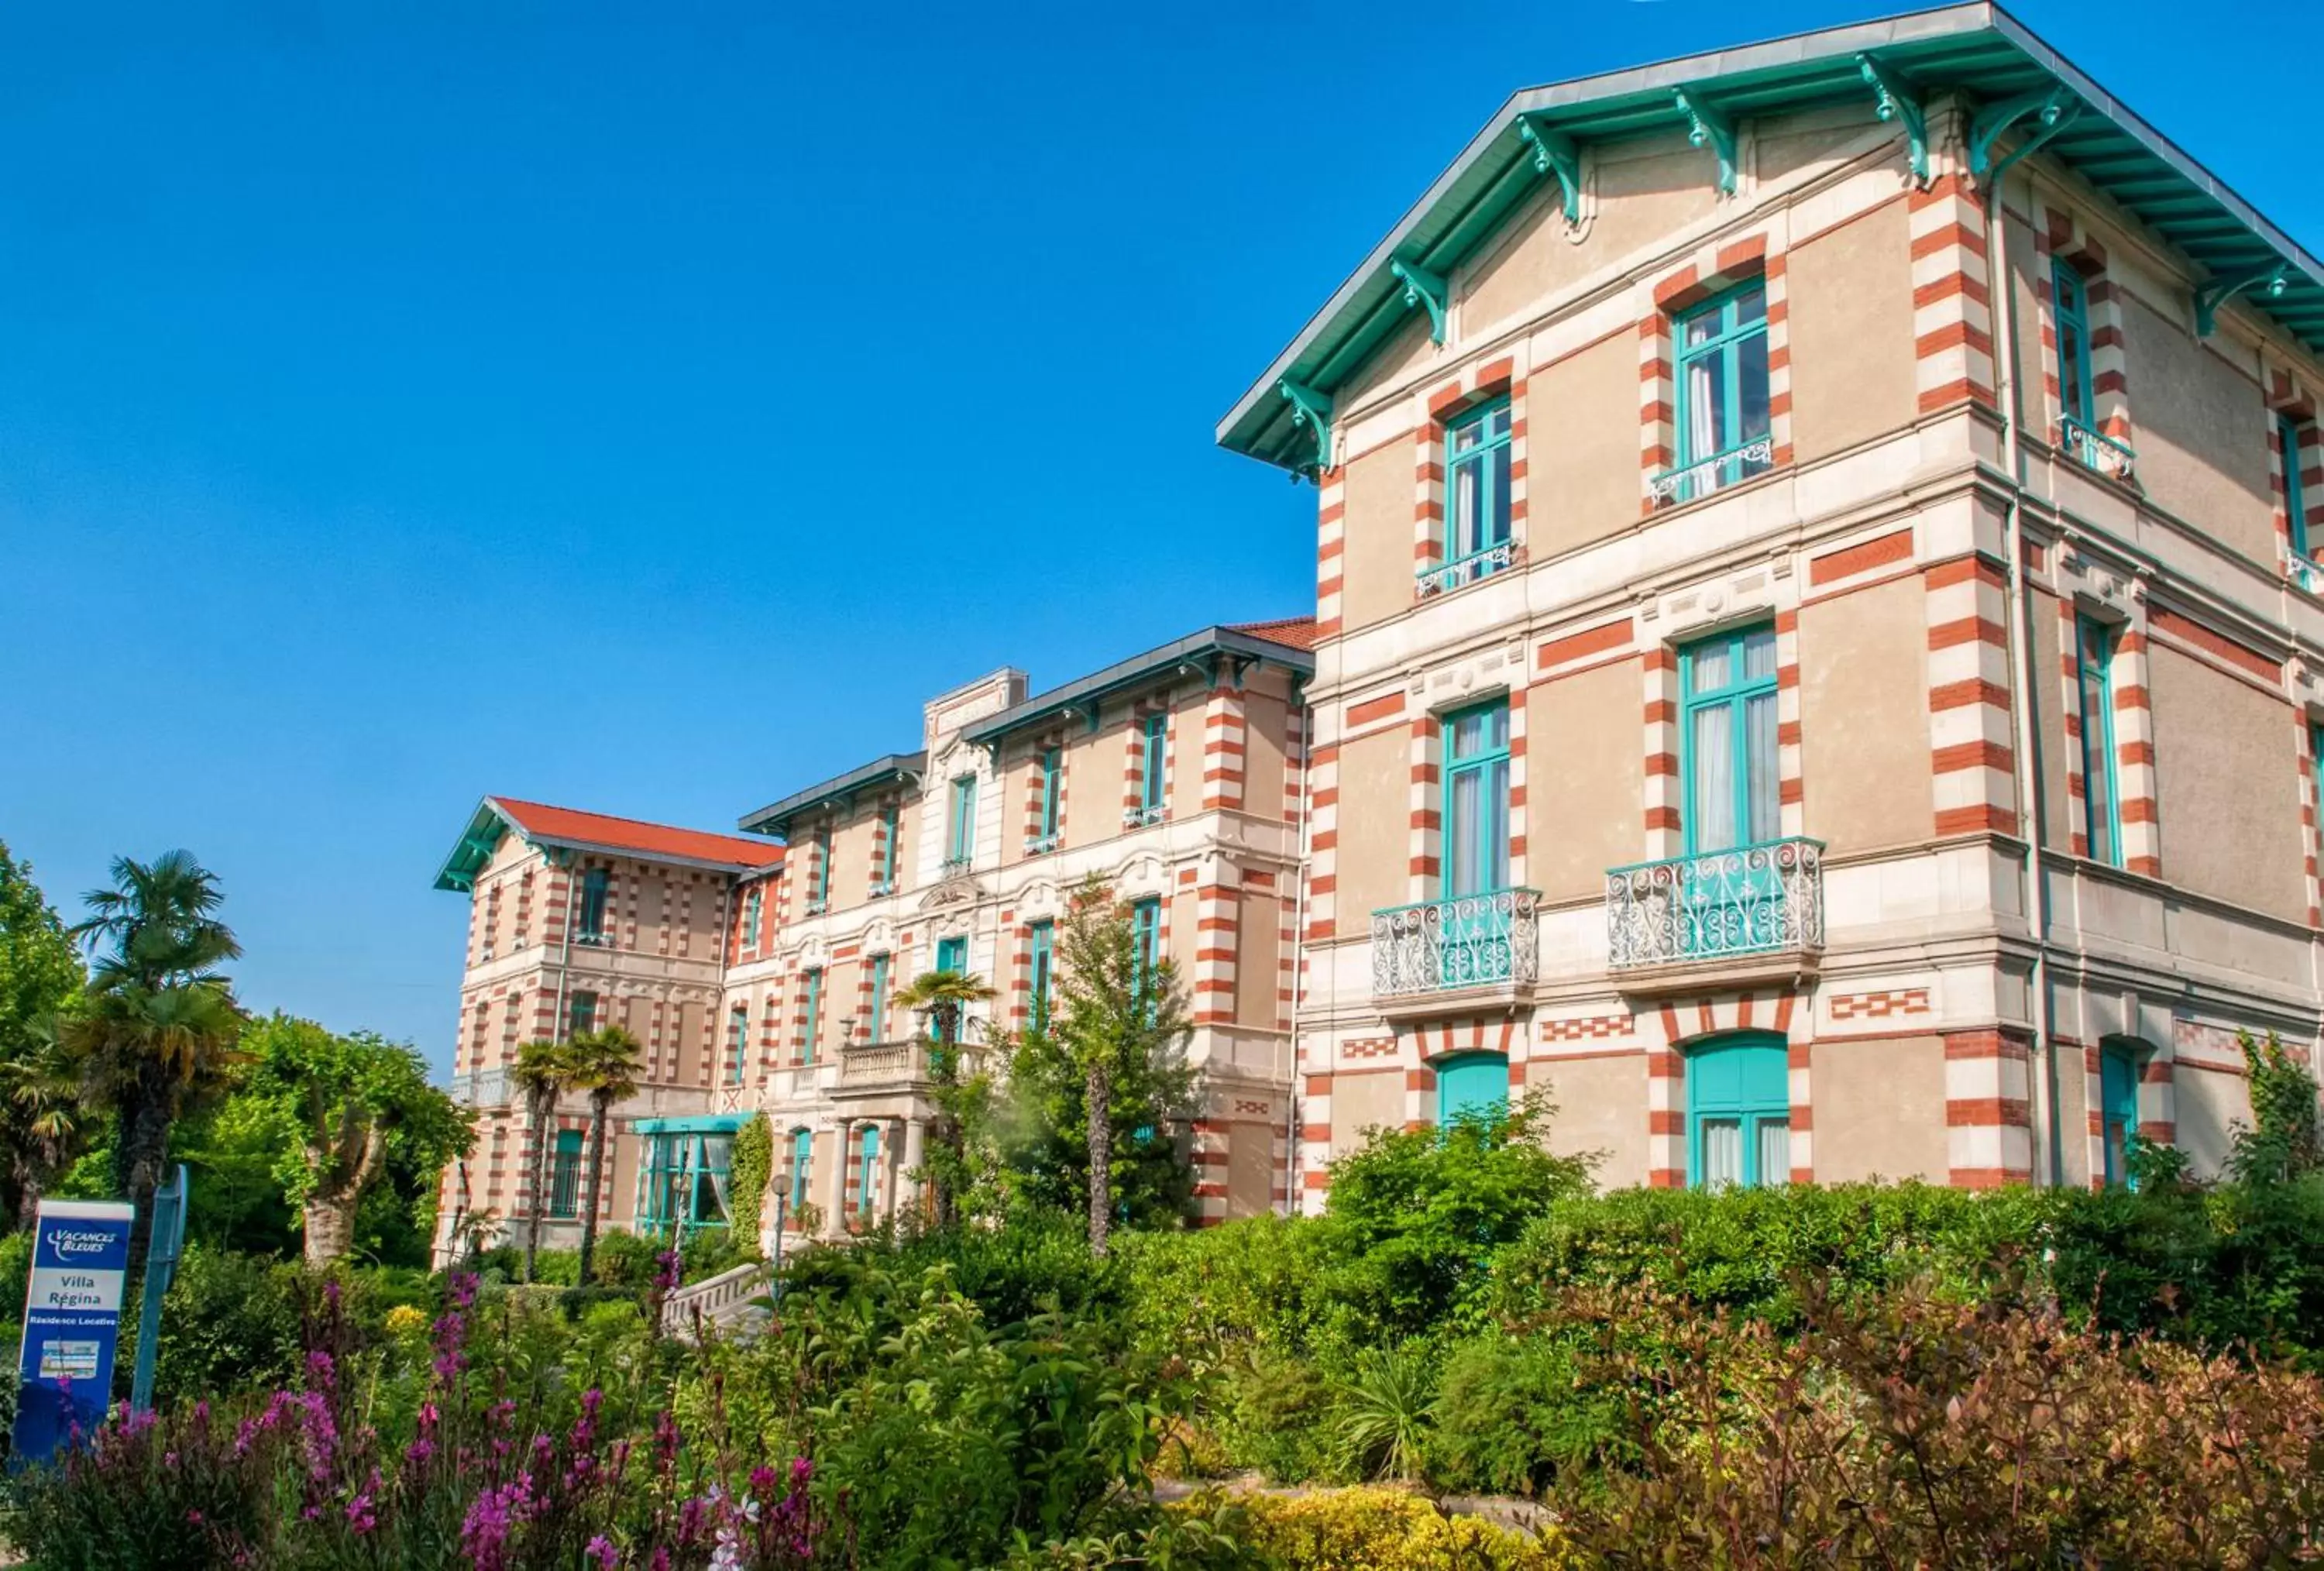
x,y
1382,1529
625,1261
1511,1414
751,1165
230,1323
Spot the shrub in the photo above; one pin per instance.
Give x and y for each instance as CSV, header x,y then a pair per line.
x,y
1273,1413
1214,1294
230,1323
1381,1422
1511,1414
625,1261
1381,1529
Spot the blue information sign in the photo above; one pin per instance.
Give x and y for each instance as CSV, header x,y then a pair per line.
x,y
72,1317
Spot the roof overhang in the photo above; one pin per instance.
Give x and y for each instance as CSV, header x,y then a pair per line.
x,y
1216,654
491,822
777,818
1979,50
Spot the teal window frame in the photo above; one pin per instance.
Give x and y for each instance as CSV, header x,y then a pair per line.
x,y
1736,695
1146,931
891,826
952,954
752,905
1042,958
1154,761
2119,1069
818,894
1053,774
678,1174
596,883
867,1157
876,1027
811,1012
2070,305
1476,751
580,1013
565,1176
2295,497
1744,1080
1728,342
737,1044
1476,449
802,1167
1472,1085
2095,646
961,842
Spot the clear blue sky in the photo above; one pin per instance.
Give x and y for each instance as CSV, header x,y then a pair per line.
x,y
400,403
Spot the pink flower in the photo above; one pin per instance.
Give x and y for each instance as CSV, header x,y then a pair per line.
x,y
601,1548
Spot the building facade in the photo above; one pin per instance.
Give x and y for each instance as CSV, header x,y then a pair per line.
x,y
1817,659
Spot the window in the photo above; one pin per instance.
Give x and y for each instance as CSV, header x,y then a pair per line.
x,y
1146,926
738,1045
961,847
682,1183
2069,300
1153,757
1728,774
802,1166
1472,1085
952,954
867,1177
2117,1107
883,876
2295,493
876,1028
1477,801
593,906
1052,769
2094,645
580,1014
1044,960
565,1175
1738,1105
1723,434
1477,497
811,1015
752,905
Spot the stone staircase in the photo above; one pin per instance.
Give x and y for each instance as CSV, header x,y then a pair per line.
x,y
726,1303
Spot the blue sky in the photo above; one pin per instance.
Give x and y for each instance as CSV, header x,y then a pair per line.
x,y
645,408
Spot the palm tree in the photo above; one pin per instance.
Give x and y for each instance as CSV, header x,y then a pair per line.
x,y
45,1099
543,1072
943,996
161,917
605,1064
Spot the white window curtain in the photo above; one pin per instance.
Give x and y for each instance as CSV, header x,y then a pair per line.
x,y
1714,777
1722,1152
1775,1150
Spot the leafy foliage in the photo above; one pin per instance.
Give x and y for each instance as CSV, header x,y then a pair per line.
x,y
40,976
2284,1142
748,1169
1383,1530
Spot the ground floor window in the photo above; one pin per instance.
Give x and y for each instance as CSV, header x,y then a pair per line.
x,y
682,1173
802,1166
2118,1064
867,1174
1738,1112
1472,1085
565,1174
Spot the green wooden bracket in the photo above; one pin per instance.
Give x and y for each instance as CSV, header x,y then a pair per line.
x,y
2267,279
1710,127
1422,287
2054,106
1898,101
1553,153
1314,410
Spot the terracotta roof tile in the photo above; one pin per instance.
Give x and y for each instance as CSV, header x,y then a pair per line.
x,y
1291,632
541,821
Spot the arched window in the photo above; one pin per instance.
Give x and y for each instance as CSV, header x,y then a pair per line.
x,y
2119,1059
1738,1112
1477,1084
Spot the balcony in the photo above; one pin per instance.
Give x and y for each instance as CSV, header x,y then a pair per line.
x,y
1042,845
1446,577
1705,475
1751,909
2094,450
896,1066
956,866
1468,943
1141,817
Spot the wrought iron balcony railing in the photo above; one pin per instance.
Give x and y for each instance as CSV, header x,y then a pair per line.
x,y
956,865
1042,845
1139,817
1468,940
1705,475
2094,450
1443,578
1755,899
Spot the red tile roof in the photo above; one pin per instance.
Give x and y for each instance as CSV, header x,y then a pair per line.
x,y
1291,632
569,825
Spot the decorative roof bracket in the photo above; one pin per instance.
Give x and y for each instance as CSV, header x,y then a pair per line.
x,y
2267,279
1553,153
2055,107
1709,127
1899,101
1422,287
1314,410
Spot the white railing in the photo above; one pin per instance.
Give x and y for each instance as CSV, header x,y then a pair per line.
x,y
1705,475
1444,577
1041,844
1470,941
715,1298
2094,450
881,1063
1139,817
1755,899
483,1088
956,865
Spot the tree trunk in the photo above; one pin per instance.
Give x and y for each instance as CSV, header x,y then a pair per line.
x,y
543,1104
144,1149
1100,1097
597,1104
330,1225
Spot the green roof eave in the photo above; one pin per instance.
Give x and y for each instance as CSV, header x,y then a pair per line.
x,y
1977,48
1200,653
776,817
486,827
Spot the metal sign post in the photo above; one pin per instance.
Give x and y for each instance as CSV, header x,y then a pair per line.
x,y
161,1252
72,1322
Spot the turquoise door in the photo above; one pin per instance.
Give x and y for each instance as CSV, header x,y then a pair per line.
x,y
802,1166
2117,1107
1472,1085
952,954
1739,1104
869,1172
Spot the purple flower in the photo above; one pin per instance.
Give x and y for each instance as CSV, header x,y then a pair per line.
x,y
320,1369
762,1480
607,1556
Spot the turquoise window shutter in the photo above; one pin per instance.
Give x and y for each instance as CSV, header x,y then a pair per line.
x,y
1472,1085
1738,1100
